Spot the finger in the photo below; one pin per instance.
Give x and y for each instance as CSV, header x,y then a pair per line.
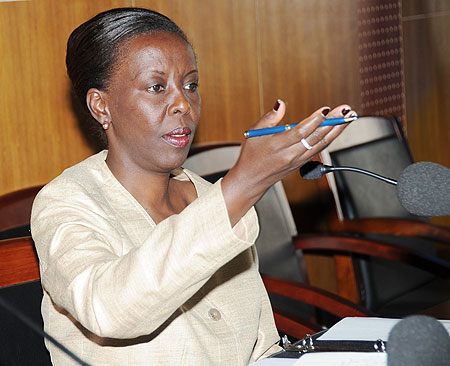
x,y
333,133
273,117
340,111
323,136
326,140
308,125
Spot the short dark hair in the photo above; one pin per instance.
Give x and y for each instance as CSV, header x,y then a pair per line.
x,y
94,46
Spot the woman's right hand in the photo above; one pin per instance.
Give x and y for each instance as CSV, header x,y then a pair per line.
x,y
265,160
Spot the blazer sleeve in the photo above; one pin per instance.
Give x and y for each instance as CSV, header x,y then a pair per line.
x,y
268,338
125,295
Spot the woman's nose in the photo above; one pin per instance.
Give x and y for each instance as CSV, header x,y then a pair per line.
x,y
180,104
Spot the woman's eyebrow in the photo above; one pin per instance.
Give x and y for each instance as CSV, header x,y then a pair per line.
x,y
195,71
139,73
162,73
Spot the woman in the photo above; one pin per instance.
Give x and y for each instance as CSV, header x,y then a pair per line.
x,y
143,262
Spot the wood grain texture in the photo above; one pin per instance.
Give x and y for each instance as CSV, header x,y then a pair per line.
x,y
318,298
342,244
19,261
314,296
309,58
15,207
426,25
250,52
40,134
348,285
394,226
420,8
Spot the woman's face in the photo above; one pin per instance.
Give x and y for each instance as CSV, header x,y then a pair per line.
x,y
153,102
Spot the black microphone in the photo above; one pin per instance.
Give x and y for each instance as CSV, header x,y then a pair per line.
x,y
315,170
423,188
418,340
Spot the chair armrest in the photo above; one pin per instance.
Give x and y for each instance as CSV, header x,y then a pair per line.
x,y
15,207
393,226
299,291
314,296
18,262
345,244
294,326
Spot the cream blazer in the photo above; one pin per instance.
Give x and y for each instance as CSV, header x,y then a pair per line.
x,y
120,290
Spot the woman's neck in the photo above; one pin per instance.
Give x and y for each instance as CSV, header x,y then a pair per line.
x,y
159,194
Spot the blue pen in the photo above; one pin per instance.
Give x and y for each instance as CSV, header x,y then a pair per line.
x,y
282,128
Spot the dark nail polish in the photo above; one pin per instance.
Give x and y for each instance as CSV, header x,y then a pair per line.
x,y
325,111
277,105
345,111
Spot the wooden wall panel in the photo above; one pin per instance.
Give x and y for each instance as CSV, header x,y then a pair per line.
x,y
309,58
426,26
40,135
250,52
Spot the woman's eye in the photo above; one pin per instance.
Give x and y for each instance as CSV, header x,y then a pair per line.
x,y
191,86
156,88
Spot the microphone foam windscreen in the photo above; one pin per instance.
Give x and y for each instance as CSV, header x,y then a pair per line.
x,y
418,340
424,189
311,170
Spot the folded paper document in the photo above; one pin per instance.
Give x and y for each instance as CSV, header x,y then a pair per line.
x,y
364,329
353,341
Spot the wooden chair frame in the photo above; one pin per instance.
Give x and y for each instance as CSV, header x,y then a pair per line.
x,y
15,207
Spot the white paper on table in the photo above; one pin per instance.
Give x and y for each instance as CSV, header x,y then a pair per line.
x,y
364,329
328,359
342,359
347,329
275,362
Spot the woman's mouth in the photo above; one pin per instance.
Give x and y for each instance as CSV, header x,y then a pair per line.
x,y
179,137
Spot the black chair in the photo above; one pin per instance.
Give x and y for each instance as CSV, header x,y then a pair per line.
x,y
20,287
390,289
20,300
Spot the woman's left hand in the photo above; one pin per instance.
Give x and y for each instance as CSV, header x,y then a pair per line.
x,y
265,160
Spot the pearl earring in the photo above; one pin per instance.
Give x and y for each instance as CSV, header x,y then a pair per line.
x,y
105,125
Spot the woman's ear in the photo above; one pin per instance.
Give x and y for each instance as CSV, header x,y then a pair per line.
x,y
96,103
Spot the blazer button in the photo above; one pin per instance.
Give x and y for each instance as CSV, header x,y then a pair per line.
x,y
214,314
